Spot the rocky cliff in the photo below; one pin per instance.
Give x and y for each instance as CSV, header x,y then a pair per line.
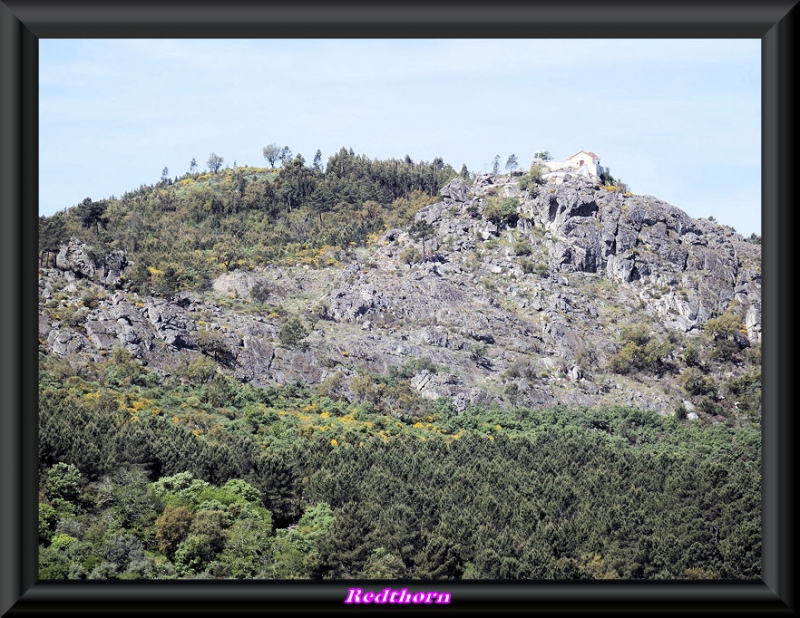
x,y
529,308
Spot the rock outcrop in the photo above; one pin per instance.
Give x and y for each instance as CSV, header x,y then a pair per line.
x,y
529,312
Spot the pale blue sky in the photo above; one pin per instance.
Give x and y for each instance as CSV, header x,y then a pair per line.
x,y
678,119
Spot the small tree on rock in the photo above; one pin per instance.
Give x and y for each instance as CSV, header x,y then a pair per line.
x,y
502,211
422,230
512,164
212,343
410,255
292,332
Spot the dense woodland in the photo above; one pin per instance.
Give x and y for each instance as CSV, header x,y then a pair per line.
x,y
180,233
194,474
286,483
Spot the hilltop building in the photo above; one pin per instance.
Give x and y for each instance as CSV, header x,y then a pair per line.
x,y
582,163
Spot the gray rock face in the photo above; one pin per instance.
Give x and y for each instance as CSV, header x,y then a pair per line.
x,y
64,342
114,265
534,309
170,323
235,284
73,257
753,321
432,213
456,190
695,265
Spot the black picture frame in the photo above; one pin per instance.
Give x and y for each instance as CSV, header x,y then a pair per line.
x,y
23,23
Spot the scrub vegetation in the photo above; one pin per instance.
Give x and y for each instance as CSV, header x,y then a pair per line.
x,y
182,471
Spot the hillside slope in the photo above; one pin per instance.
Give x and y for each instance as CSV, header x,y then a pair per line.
x,y
504,291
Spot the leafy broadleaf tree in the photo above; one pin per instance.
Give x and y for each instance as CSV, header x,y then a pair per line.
x,y
62,483
215,162
128,493
272,153
247,551
172,527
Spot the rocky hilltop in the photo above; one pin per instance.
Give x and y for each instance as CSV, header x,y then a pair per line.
x,y
503,291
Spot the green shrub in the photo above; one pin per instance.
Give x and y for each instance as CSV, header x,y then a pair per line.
x,y
410,256
62,483
691,356
48,518
533,178
503,211
695,382
623,361
292,332
522,248
89,299
725,350
640,351
723,330
638,335
200,370
212,343
753,354
746,391
724,326
478,354
260,292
